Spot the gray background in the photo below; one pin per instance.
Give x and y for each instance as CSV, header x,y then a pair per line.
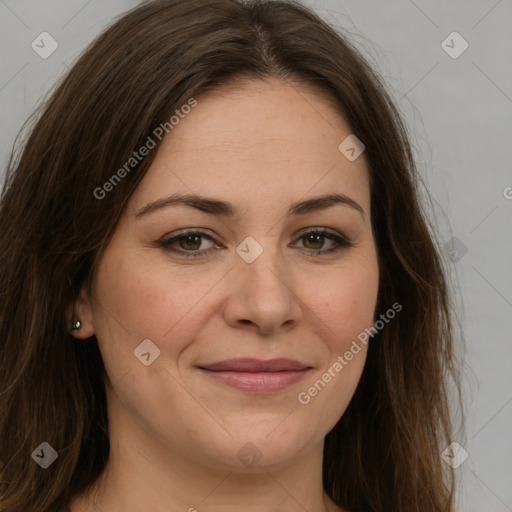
x,y
459,113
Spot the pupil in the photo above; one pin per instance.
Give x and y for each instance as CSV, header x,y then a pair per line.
x,y
190,238
315,239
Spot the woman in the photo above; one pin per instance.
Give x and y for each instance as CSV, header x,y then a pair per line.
x,y
219,288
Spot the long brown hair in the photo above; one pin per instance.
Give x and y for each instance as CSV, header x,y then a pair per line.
x,y
384,453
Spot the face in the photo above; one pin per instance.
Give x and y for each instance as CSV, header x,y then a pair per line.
x,y
248,298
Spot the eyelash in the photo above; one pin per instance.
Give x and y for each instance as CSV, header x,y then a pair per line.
x,y
342,242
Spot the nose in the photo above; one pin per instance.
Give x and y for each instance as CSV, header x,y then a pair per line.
x,y
261,295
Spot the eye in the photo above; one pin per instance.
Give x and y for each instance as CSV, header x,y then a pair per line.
x,y
188,244
315,238
191,244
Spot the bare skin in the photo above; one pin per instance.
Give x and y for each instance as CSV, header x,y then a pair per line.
x,y
179,438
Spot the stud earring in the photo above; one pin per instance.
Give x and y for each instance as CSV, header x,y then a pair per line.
x,y
77,325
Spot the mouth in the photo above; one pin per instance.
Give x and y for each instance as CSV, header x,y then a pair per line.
x,y
257,375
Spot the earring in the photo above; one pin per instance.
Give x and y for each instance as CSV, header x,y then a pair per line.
x,y
76,325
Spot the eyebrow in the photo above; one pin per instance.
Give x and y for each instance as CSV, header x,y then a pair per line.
x,y
217,207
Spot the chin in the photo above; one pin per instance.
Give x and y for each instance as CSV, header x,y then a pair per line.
x,y
260,449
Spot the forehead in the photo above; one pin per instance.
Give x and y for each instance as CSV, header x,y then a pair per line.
x,y
257,141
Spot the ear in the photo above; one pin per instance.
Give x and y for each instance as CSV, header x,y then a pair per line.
x,y
81,310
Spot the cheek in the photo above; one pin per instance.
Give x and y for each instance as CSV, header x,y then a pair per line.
x,y
348,312
138,299
347,308
346,303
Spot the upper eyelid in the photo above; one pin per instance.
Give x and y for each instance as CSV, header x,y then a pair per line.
x,y
201,232
187,232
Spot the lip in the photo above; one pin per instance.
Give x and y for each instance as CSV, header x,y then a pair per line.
x,y
257,375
